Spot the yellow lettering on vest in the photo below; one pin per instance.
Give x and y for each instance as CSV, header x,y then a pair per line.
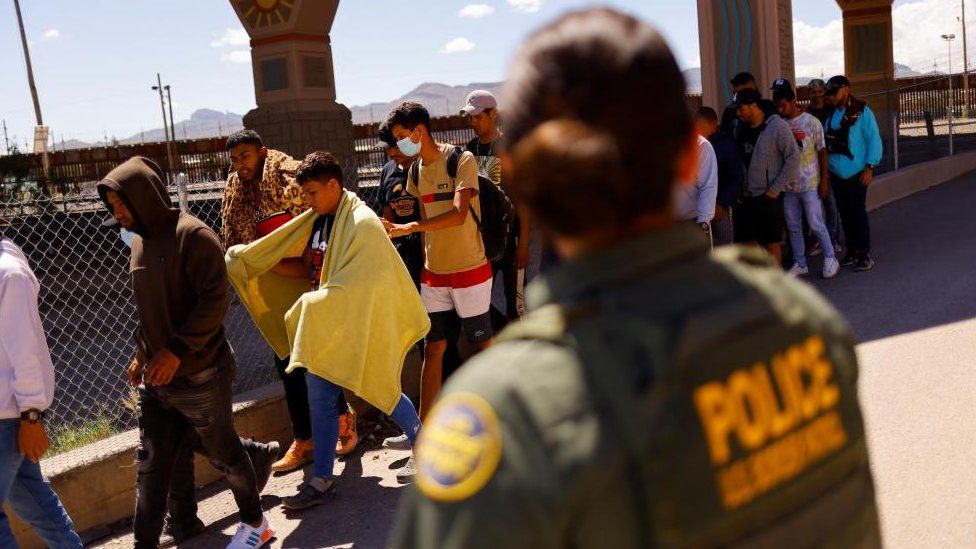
x,y
822,373
790,384
797,360
752,420
718,416
783,460
783,418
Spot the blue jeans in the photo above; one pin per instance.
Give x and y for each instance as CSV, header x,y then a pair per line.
x,y
30,496
832,217
806,204
323,397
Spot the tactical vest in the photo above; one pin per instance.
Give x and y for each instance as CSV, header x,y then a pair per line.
x,y
837,139
748,431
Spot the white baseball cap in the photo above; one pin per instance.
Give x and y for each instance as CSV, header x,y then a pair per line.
x,y
478,102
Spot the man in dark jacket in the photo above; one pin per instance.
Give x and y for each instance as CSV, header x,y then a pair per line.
x,y
187,366
731,175
772,161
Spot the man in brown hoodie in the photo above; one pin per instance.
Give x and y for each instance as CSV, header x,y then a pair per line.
x,y
179,282
261,195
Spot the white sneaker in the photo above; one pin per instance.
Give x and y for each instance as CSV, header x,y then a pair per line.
x,y
831,267
397,443
797,270
249,537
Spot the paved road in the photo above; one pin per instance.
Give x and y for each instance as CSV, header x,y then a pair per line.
x,y
915,315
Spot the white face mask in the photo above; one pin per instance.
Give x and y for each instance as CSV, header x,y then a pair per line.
x,y
127,236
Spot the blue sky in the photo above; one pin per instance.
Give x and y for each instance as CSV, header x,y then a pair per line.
x,y
95,61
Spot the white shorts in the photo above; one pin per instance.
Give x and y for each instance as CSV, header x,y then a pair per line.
x,y
468,293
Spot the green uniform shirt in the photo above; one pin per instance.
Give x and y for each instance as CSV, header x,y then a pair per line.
x,y
657,396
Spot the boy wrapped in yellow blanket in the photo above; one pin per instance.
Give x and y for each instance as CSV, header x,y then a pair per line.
x,y
329,289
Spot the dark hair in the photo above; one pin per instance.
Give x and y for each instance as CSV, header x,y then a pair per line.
x,y
707,113
601,69
385,134
409,115
318,166
787,94
244,137
742,79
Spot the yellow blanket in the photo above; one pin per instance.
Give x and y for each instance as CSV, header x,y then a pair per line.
x,y
356,329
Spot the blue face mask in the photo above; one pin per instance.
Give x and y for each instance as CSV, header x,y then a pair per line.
x,y
408,147
127,236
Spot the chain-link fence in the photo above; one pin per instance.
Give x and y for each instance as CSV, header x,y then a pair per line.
x,y
89,316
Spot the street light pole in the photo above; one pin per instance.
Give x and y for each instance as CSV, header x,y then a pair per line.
x,y
948,39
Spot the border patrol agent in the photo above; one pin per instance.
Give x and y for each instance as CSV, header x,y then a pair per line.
x,y
658,394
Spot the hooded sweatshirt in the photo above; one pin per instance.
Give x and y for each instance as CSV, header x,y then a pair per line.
x,y
179,278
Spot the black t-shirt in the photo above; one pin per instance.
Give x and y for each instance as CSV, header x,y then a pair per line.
x,y
393,193
748,137
317,243
822,114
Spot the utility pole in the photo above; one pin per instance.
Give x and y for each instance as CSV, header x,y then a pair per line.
x,y
180,180
6,142
41,130
169,142
965,63
172,121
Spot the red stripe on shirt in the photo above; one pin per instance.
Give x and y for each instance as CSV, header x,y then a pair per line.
x,y
464,279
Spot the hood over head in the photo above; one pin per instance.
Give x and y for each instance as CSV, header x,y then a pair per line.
x,y
139,181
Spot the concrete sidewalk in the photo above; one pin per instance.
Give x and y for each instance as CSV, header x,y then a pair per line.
x,y
361,515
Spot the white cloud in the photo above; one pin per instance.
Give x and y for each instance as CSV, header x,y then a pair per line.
x,y
52,34
818,50
476,11
237,57
458,45
232,38
528,6
917,28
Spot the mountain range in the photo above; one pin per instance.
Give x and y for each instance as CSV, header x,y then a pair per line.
x,y
202,123
440,100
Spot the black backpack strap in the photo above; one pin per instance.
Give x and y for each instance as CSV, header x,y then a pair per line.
x,y
452,168
452,162
415,172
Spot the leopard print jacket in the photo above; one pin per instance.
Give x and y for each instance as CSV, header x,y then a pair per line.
x,y
244,205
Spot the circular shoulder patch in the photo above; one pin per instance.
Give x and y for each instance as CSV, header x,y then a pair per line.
x,y
459,448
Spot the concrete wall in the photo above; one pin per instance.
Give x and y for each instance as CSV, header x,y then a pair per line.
x,y
894,186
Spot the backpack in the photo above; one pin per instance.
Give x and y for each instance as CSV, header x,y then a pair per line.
x,y
498,221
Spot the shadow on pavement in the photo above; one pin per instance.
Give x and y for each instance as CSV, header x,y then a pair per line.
x,y
361,513
925,249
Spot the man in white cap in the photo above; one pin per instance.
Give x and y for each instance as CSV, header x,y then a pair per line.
x,y
481,108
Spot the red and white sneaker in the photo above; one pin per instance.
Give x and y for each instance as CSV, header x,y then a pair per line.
x,y
249,537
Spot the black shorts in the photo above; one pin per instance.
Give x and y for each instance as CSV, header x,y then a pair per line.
x,y
760,219
477,329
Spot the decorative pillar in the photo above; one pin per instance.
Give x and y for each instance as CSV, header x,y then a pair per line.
x,y
869,61
743,35
294,81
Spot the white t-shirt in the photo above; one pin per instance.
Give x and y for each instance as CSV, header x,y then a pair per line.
x,y
809,135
